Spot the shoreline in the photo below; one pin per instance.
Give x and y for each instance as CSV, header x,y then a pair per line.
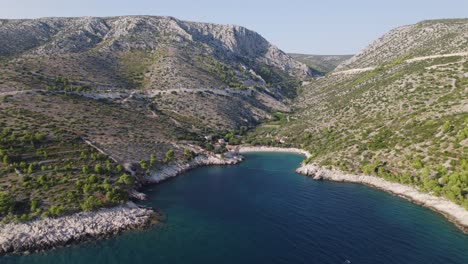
x,y
451,211
49,233
248,149
200,160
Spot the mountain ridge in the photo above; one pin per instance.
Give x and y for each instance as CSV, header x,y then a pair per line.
x,y
91,106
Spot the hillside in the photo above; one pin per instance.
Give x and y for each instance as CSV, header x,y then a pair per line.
x,y
87,103
398,110
321,63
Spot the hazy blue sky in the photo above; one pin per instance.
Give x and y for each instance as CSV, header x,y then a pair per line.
x,y
316,27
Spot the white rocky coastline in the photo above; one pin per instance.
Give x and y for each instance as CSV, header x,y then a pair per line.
x,y
450,210
49,233
200,160
247,149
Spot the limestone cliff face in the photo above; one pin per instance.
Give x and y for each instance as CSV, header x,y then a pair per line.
x,y
47,36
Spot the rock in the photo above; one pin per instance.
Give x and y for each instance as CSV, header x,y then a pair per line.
x,y
200,160
452,211
138,195
49,233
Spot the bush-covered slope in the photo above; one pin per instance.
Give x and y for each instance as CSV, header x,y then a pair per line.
x,y
88,105
405,120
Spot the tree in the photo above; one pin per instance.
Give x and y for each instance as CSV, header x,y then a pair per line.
x,y
143,164
116,195
22,165
33,205
169,156
126,179
447,127
6,159
108,166
92,179
188,153
30,169
39,136
97,169
85,169
152,160
7,204
91,203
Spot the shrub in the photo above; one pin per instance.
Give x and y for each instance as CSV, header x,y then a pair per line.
x,y
126,179
91,203
169,156
447,127
7,204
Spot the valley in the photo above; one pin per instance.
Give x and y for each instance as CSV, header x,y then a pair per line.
x,y
93,109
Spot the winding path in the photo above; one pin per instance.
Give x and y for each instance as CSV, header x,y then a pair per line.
x,y
360,70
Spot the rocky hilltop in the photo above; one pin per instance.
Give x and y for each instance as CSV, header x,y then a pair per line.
x,y
422,39
172,52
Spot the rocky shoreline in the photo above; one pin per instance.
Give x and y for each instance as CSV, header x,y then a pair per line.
x,y
453,212
200,160
48,233
247,149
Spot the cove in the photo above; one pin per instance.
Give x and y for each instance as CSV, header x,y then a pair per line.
x,y
261,211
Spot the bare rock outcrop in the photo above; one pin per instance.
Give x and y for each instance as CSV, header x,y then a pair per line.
x,y
200,160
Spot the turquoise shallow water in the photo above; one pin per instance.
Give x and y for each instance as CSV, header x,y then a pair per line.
x,y
262,212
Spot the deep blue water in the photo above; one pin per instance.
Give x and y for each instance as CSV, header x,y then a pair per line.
x,y
262,212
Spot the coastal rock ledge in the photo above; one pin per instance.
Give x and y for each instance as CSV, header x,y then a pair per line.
x,y
450,210
177,168
48,233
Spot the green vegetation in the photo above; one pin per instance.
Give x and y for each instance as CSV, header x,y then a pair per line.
x,y
402,121
222,71
64,84
46,172
169,156
275,77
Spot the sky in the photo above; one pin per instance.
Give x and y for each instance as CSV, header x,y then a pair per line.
x,y
299,26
